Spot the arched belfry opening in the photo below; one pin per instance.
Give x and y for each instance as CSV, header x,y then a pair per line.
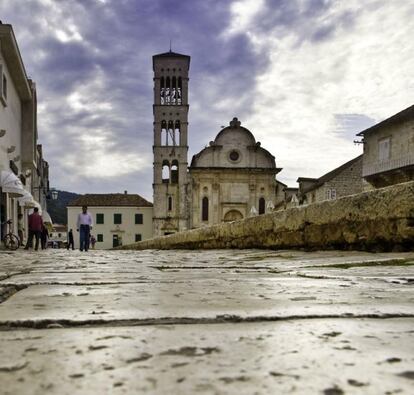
x,y
164,137
171,134
177,131
174,172
170,142
165,172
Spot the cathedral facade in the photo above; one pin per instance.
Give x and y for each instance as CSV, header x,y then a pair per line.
x,y
232,178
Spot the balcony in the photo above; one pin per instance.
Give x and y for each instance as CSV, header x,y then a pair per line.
x,y
373,168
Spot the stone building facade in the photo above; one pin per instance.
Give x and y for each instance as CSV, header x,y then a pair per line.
x,y
234,177
342,181
389,150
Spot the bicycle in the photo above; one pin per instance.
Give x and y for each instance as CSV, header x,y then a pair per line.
x,y
10,240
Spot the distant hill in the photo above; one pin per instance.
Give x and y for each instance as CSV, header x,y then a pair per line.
x,y
57,208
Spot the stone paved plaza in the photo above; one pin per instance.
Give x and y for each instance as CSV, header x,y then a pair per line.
x,y
206,322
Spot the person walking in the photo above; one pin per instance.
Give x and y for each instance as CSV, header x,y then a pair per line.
x,y
84,227
20,228
93,241
71,242
35,229
43,237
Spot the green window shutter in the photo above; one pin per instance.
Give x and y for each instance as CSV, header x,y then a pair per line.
x,y
99,219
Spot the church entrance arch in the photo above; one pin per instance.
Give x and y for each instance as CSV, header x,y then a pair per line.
x,y
233,215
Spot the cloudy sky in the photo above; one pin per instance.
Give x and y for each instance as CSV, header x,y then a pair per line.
x,y
302,75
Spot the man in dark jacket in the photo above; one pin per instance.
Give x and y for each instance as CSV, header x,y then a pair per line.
x,y
70,240
35,229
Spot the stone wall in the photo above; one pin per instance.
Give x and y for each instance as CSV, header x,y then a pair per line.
x,y
382,219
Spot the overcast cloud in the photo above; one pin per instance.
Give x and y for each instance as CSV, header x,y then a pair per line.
x,y
302,75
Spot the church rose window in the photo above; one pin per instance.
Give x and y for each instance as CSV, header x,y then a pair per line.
x,y
234,156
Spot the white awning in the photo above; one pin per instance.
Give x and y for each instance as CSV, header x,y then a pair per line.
x,y
46,217
28,201
11,184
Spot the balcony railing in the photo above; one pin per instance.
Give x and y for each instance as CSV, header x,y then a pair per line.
x,y
392,164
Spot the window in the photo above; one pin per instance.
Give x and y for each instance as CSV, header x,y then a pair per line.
x,y
138,237
99,219
165,172
117,219
174,172
139,220
331,194
234,156
262,203
99,237
204,209
384,149
169,203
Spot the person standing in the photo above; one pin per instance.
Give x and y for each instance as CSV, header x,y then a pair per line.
x,y
35,229
71,243
20,228
84,227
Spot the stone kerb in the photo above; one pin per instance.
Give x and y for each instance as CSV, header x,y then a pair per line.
x,y
381,219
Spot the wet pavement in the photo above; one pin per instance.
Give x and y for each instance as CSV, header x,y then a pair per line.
x,y
206,322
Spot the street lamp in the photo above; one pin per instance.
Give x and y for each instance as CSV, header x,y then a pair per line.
x,y
54,193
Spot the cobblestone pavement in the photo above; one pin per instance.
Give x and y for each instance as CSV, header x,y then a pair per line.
x,y
206,322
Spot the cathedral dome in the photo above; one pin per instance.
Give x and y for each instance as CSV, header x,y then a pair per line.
x,y
234,147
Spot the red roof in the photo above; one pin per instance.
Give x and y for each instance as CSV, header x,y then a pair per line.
x,y
110,199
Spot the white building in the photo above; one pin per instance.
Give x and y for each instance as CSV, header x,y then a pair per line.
x,y
117,218
22,167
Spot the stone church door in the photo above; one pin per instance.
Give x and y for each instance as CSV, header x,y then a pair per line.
x,y
233,215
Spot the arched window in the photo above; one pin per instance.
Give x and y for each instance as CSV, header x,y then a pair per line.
x,y
162,89
165,172
179,90
174,91
169,203
167,93
262,205
164,137
171,134
174,172
204,209
177,133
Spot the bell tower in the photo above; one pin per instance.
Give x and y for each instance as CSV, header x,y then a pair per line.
x,y
170,187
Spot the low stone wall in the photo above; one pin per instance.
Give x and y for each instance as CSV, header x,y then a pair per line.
x,y
382,220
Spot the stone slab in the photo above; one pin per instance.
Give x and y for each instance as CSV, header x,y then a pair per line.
x,y
195,322
362,356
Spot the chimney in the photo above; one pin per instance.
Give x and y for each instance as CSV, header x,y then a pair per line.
x,y
125,192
